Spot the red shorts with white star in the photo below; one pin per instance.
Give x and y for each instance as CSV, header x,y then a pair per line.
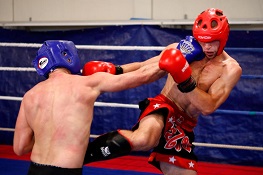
x,y
174,160
174,113
175,145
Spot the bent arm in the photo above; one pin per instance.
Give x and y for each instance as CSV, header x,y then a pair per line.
x,y
24,136
208,102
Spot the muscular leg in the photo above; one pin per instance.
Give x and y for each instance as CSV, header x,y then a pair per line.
x,y
148,133
119,143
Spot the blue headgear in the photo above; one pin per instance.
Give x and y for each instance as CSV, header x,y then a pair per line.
x,y
54,54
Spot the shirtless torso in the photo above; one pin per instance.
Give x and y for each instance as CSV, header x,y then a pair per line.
x,y
215,76
214,82
55,115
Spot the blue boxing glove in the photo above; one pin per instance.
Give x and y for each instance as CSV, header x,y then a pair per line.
x,y
191,49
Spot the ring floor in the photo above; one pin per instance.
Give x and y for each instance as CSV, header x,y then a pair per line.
x,y
11,164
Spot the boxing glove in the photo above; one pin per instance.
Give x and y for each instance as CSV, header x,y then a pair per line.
x,y
173,62
191,49
100,66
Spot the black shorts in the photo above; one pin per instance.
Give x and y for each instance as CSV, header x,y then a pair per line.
x,y
39,169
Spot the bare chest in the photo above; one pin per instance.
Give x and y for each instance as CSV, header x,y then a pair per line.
x,y
207,73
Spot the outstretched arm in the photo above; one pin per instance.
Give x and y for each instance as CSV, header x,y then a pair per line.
x,y
106,82
137,65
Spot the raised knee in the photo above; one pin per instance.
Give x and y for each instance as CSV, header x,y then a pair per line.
x,y
144,143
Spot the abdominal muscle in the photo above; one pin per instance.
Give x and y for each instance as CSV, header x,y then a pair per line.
x,y
171,91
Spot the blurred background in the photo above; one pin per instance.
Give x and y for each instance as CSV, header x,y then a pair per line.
x,y
108,30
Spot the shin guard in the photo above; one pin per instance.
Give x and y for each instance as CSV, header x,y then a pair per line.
x,y
107,146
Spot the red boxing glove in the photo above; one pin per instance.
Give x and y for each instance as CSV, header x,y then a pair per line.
x,y
173,62
100,66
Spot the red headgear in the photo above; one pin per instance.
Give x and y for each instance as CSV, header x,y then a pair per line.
x,y
212,25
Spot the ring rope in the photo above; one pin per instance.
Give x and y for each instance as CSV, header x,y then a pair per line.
x,y
116,105
89,47
121,105
30,69
7,129
223,111
212,145
105,47
143,48
103,104
252,76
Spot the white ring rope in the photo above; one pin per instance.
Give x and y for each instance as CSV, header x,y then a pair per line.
x,y
108,47
31,45
119,105
11,98
228,146
194,143
99,104
116,105
90,47
7,129
31,69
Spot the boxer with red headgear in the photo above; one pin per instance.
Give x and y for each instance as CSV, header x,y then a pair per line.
x,y
201,77
212,25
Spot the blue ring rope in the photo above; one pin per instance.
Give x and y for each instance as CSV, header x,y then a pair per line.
x,y
243,49
252,76
222,111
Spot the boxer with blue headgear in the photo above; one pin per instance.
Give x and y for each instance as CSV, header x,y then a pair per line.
x,y
55,54
55,115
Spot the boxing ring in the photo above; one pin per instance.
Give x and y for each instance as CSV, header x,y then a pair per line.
x,y
112,108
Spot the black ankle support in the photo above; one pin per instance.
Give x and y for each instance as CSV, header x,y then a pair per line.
x,y
107,146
